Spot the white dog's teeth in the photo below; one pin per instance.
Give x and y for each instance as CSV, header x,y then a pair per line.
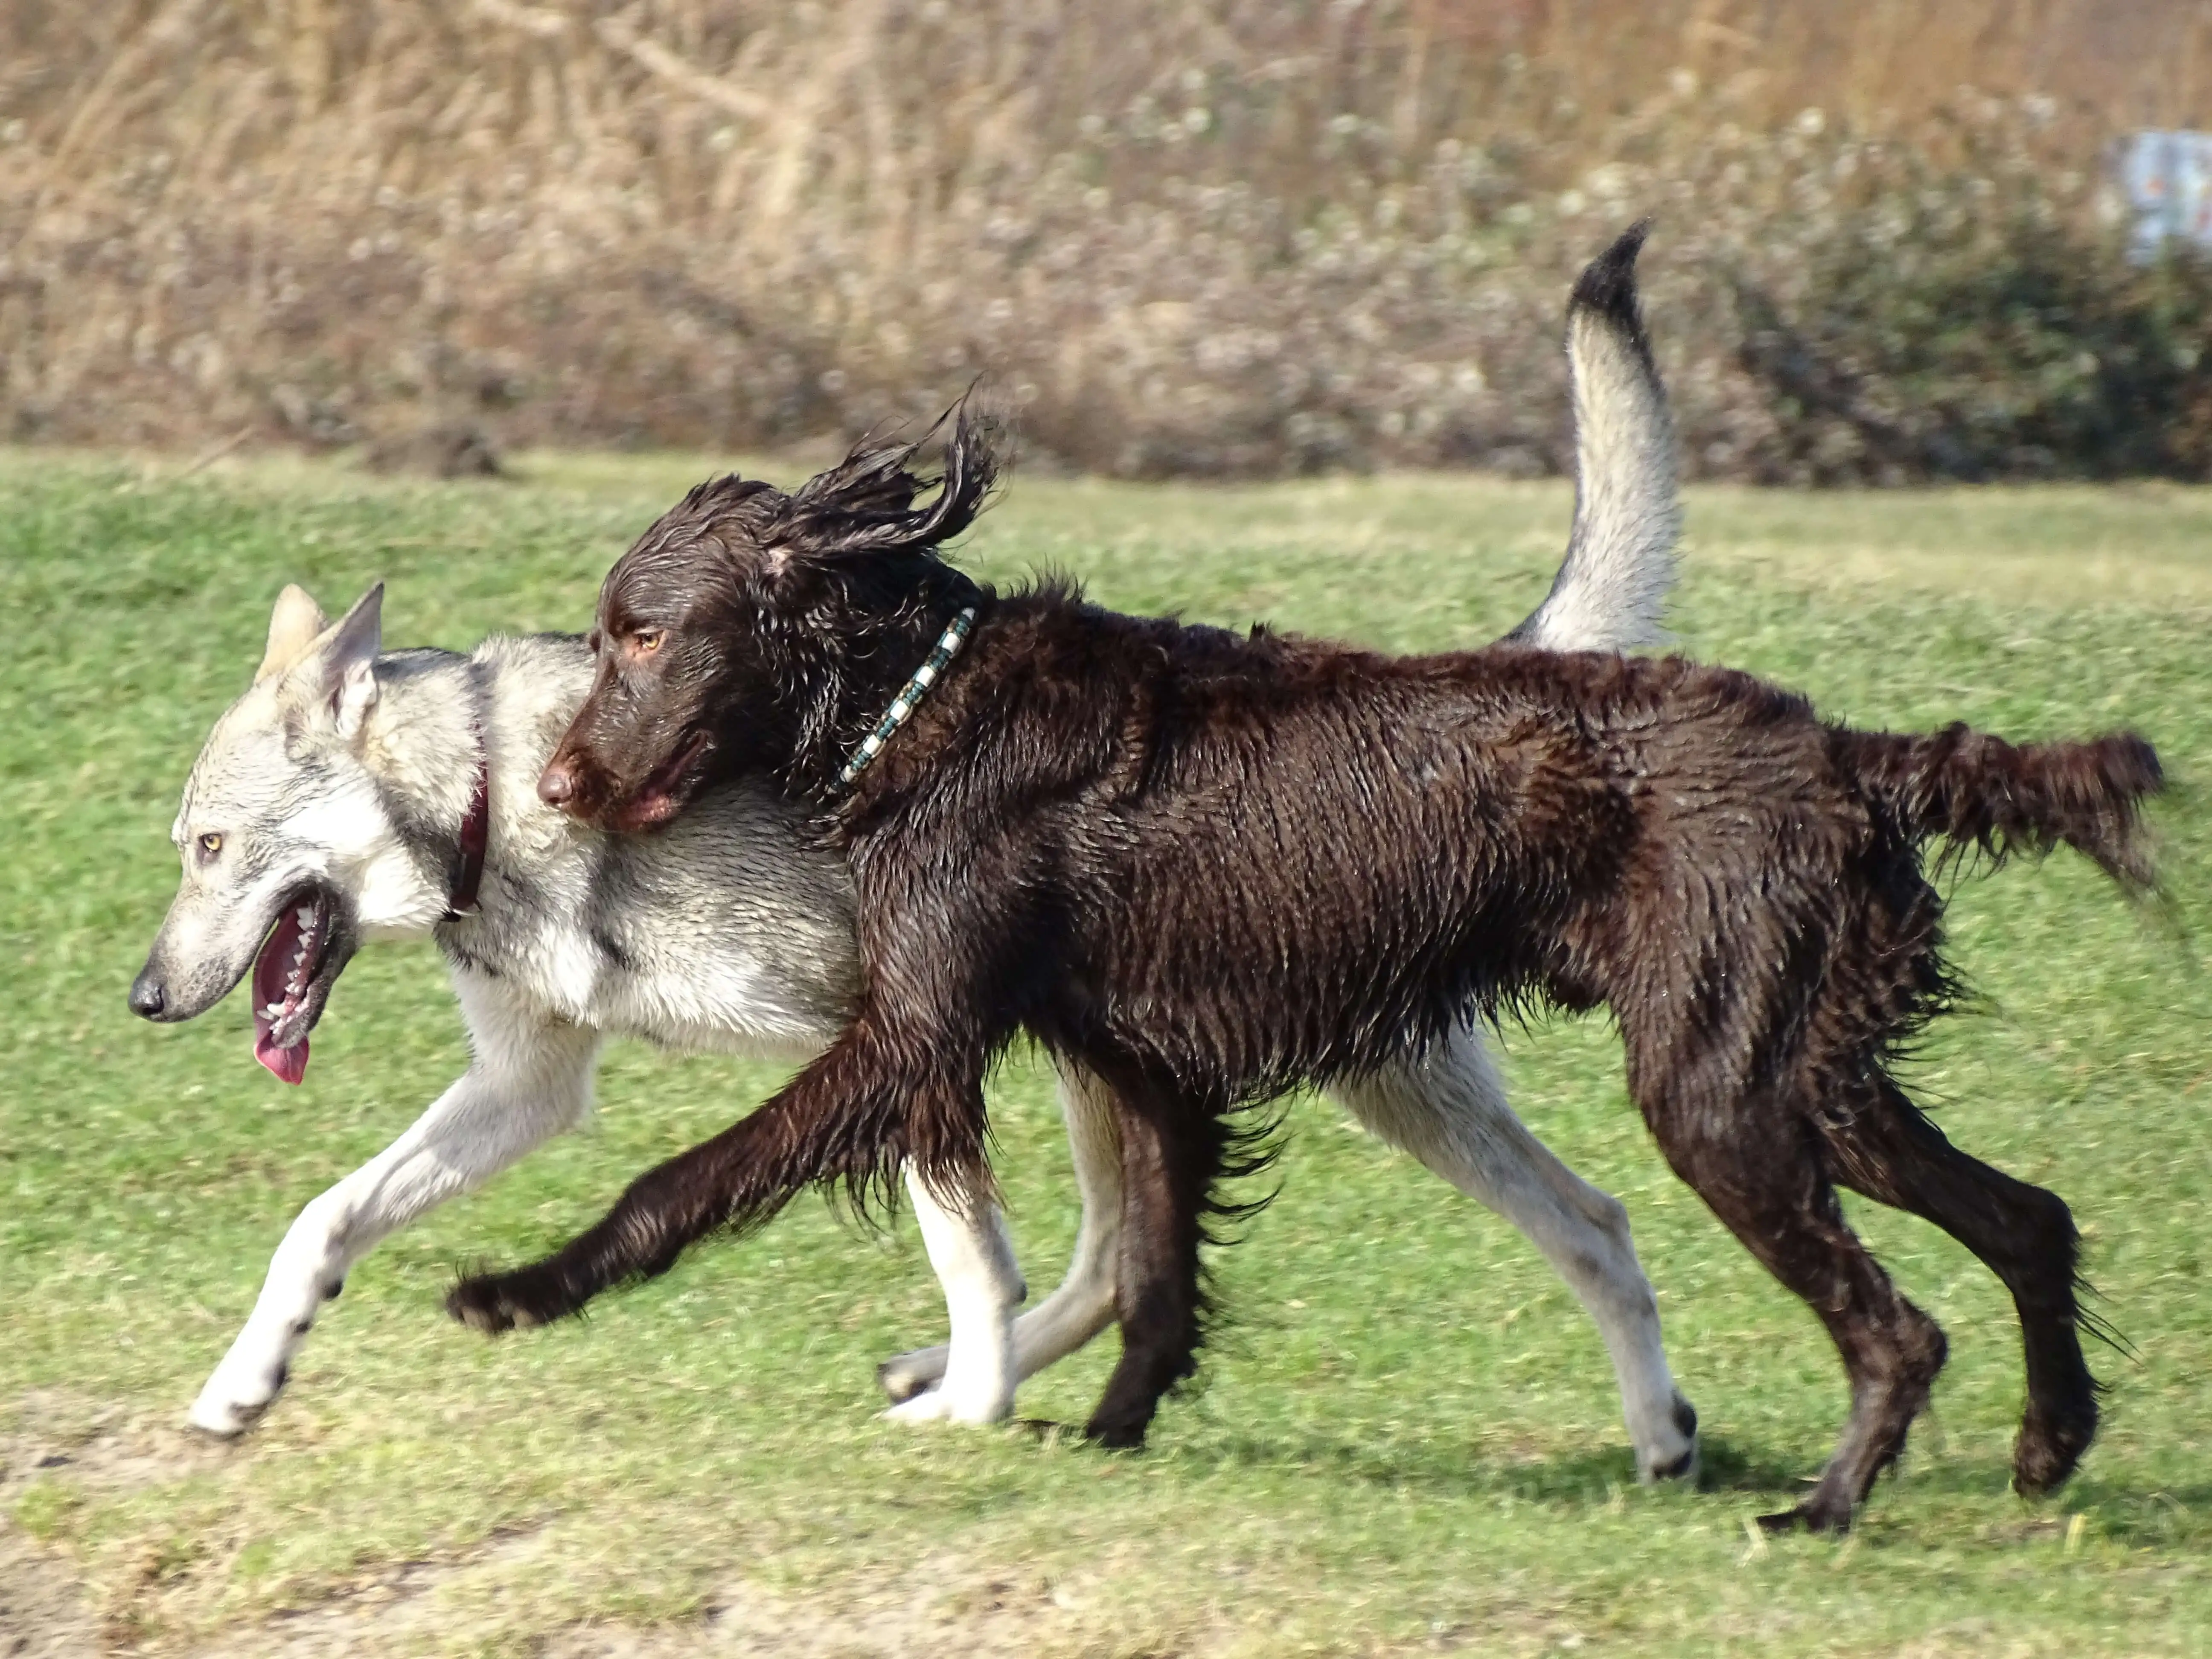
x,y
307,915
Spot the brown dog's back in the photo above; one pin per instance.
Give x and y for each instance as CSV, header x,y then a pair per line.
x,y
1286,859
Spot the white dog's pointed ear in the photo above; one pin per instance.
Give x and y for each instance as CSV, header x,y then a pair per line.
x,y
349,662
295,625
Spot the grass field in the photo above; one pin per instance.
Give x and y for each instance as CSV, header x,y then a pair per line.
x,y
1408,1438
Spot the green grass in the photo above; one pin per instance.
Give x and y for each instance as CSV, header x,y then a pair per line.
x,y
1408,1438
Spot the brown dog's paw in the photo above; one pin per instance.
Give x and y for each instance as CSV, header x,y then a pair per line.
x,y
2049,1445
1821,1514
492,1302
1116,1435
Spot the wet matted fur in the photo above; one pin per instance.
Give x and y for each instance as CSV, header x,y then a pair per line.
x,y
1211,866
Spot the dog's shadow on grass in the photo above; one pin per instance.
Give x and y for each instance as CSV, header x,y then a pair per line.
x,y
1725,1465
1573,1481
1773,1478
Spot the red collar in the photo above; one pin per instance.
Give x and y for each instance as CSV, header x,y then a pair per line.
x,y
476,831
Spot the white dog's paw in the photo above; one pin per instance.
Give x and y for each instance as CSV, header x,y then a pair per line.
x,y
928,1406
1675,1457
905,1376
226,1419
948,1405
235,1398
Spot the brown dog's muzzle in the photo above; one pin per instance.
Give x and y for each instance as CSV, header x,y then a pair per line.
x,y
574,783
571,783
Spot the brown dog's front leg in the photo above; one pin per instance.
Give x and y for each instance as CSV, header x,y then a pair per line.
x,y
665,1209
843,1117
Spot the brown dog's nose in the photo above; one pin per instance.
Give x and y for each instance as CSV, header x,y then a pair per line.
x,y
557,784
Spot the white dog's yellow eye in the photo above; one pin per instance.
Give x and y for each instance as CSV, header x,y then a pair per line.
x,y
210,843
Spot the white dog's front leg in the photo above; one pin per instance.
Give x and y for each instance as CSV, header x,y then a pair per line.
x,y
1083,1306
975,1263
496,1112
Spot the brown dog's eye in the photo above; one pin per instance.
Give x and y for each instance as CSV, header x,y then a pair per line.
x,y
645,641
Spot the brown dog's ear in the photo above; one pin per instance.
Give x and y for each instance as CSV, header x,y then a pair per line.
x,y
865,504
292,627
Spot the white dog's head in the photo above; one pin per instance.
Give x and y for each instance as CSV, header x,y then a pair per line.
x,y
291,851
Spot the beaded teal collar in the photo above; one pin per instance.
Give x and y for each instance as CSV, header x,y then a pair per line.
x,y
909,698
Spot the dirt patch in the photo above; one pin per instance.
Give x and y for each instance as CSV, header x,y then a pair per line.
x,y
396,1610
103,1447
940,1605
69,1447
449,449
56,1440
44,1613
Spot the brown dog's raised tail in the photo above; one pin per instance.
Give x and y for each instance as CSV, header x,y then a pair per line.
x,y
1972,789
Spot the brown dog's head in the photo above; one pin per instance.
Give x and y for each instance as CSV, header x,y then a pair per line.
x,y
748,628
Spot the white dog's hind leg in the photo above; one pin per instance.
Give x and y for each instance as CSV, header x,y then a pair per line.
x,y
1449,1111
1083,1306
527,1085
975,1263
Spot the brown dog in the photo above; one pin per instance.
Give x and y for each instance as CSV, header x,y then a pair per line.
x,y
1212,867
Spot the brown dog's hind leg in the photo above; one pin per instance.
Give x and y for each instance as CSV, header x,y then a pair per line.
x,y
1759,1167
2023,1234
1170,1154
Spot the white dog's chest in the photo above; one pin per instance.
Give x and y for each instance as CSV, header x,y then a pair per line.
x,y
728,1003
678,993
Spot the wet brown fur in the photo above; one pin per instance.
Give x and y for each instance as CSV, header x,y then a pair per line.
x,y
1212,867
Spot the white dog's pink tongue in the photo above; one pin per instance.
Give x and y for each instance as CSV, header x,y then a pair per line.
x,y
270,968
290,1064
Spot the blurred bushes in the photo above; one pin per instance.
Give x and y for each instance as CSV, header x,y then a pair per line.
x,y
1248,237
1975,326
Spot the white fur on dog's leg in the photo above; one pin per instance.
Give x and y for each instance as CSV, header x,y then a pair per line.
x,y
243,1386
529,1083
1449,1111
1083,1306
969,1248
308,1269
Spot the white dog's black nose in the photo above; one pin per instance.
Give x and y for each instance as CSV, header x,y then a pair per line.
x,y
148,998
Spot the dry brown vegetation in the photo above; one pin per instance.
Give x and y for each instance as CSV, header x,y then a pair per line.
x,y
1241,236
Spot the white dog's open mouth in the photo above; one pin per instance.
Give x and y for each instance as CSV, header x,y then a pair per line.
x,y
292,980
